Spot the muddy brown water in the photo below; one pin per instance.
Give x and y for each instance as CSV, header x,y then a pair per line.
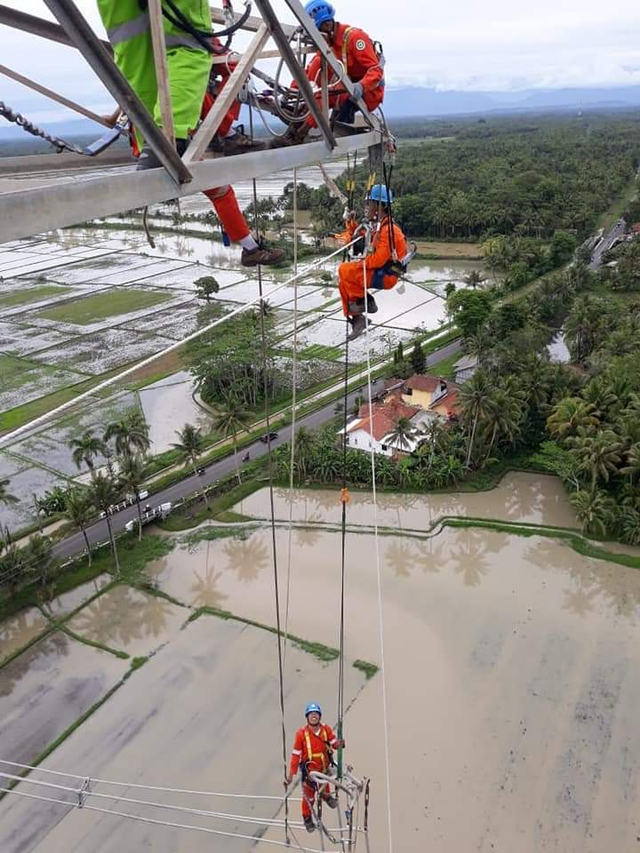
x,y
511,675
46,688
129,620
18,631
202,714
520,497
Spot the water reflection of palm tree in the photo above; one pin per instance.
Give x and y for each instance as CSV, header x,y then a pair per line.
x,y
204,586
429,555
469,556
248,557
399,555
308,536
56,644
101,620
522,499
580,600
18,627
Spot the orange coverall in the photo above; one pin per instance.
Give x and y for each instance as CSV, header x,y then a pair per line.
x,y
353,47
351,273
311,749
224,199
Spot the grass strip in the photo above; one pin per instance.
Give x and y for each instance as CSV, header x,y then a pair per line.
x,y
72,634
369,669
318,650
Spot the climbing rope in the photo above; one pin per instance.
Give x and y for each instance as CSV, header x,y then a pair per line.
x,y
344,499
385,715
274,544
28,126
294,382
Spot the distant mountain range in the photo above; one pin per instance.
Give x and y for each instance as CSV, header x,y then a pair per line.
x,y
416,101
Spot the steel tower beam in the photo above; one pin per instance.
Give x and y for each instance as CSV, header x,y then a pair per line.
x,y
27,212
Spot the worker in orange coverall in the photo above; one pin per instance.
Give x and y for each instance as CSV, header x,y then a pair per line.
x,y
360,59
312,750
388,246
229,141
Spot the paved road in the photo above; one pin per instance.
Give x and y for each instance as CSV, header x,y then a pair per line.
x,y
615,232
98,531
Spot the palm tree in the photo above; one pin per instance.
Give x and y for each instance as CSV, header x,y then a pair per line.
x,y
131,476
599,455
79,510
86,448
504,415
5,496
40,559
593,510
191,445
303,450
570,415
475,398
474,279
103,495
130,433
402,434
632,468
231,420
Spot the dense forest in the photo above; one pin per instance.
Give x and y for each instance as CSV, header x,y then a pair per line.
x,y
512,176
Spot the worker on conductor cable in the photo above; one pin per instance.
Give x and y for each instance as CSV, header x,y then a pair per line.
x,y
188,61
379,265
312,751
363,65
226,141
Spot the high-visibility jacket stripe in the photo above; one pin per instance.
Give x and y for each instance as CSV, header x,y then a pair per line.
x,y
128,30
175,40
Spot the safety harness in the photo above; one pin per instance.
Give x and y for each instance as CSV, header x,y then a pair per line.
x,y
326,756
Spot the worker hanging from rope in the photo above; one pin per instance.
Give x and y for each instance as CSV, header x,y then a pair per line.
x,y
363,63
384,260
313,751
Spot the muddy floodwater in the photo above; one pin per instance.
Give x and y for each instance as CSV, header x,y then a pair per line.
x,y
510,667
518,498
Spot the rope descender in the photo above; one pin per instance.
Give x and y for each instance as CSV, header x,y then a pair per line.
x,y
345,497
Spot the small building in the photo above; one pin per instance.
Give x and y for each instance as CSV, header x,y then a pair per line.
x,y
465,367
423,391
373,430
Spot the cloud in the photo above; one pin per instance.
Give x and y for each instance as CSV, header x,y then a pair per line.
x,y
496,45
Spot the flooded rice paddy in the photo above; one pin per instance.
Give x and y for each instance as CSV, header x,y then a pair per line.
x,y
510,671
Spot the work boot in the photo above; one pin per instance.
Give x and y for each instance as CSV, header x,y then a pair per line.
x,y
294,136
263,256
149,160
332,801
309,825
240,143
359,325
356,307
372,306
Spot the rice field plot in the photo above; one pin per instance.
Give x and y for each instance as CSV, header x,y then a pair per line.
x,y
92,271
174,323
19,388
48,448
101,306
19,339
22,295
103,351
185,277
9,365
21,300
309,298
24,483
309,373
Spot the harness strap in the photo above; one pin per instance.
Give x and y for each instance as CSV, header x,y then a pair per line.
x,y
345,45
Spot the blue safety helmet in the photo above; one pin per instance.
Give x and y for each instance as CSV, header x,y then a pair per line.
x,y
380,193
311,707
320,11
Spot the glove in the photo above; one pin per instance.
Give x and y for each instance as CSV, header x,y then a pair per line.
x,y
358,92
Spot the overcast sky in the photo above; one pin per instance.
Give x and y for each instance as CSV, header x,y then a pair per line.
x,y
468,44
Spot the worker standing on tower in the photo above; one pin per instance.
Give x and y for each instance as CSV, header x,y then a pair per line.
x,y
362,62
312,751
381,265
189,62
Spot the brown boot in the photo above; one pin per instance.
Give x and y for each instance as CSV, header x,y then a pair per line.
x,y
263,256
295,134
359,325
240,143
